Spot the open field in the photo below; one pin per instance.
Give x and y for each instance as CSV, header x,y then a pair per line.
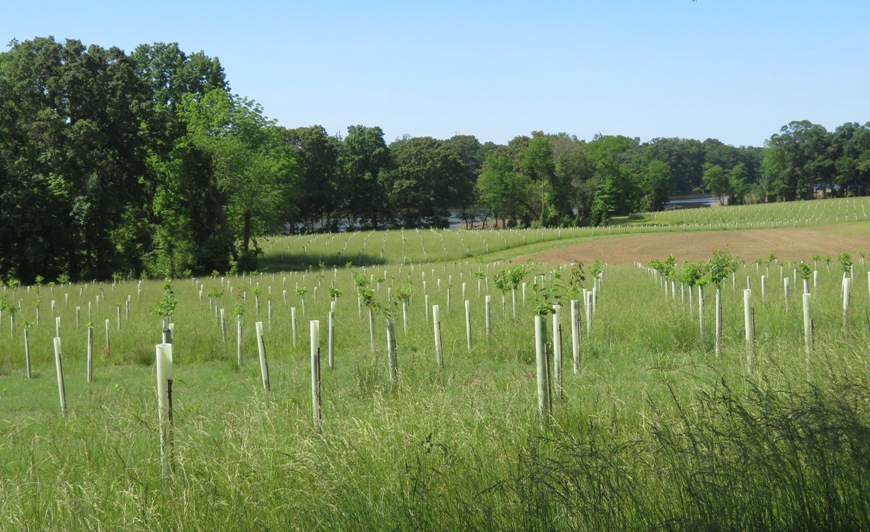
x,y
654,430
423,246
749,244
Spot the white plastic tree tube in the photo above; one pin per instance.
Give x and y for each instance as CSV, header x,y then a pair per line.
x,y
58,364
165,376
543,377
468,324
392,361
264,363
436,323
331,339
557,348
749,327
575,333
239,359
315,372
487,303
90,353
808,326
847,283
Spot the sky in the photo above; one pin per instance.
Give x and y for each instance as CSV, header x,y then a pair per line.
x,y
733,70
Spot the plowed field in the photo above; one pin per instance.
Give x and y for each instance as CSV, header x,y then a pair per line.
x,y
788,244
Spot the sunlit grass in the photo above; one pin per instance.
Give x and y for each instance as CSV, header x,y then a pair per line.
x,y
655,431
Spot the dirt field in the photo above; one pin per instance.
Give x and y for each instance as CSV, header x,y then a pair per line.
x,y
788,244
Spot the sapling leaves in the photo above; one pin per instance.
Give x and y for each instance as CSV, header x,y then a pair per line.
x,y
166,306
555,288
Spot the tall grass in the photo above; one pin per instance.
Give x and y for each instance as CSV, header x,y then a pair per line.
x,y
654,432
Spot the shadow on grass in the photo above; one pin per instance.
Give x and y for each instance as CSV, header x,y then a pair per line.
x,y
299,262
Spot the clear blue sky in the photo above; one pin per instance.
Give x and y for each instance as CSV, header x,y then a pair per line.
x,y
736,70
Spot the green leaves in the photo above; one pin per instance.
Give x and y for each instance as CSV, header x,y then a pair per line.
x,y
721,265
367,295
166,306
555,288
698,273
804,270
845,260
510,278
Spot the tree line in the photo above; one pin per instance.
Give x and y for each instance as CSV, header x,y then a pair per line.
x,y
145,164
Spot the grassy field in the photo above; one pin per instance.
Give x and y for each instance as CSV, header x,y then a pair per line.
x,y
417,246
654,431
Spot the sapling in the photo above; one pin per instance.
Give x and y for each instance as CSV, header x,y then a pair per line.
x,y
300,291
692,274
367,297
403,293
164,308
804,271
257,291
845,260
509,279
720,265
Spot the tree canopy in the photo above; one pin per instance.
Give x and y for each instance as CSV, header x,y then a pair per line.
x,y
146,164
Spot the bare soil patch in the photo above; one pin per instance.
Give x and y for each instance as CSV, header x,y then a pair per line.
x,y
788,244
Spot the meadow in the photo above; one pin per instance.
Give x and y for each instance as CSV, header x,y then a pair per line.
x,y
654,430
416,246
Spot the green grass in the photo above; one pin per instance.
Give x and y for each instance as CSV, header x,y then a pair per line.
x,y
654,432
428,245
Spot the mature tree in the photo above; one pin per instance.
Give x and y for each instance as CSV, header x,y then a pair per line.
x,y
716,182
472,154
801,152
323,193
738,186
538,165
574,172
685,158
656,185
69,161
363,157
254,171
185,213
617,191
425,180
851,154
503,190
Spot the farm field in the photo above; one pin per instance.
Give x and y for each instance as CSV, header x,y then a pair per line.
x,y
653,430
789,244
415,246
